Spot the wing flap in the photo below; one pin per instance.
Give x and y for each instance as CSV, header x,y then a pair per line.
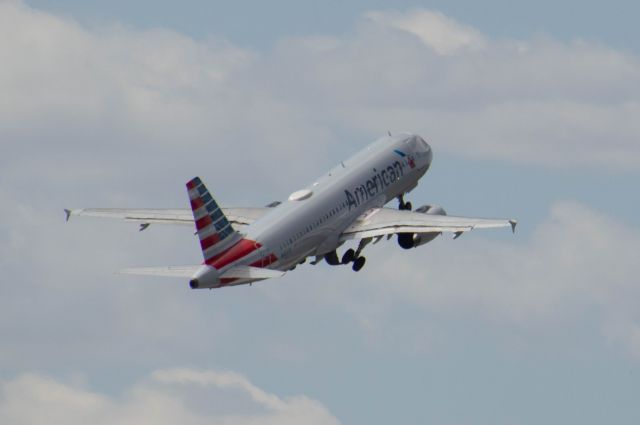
x,y
248,272
387,221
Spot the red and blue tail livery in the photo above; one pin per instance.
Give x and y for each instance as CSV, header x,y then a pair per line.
x,y
213,228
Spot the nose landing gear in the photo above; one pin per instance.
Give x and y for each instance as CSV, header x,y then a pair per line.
x,y
404,205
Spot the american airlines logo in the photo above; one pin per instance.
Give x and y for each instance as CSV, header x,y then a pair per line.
x,y
375,185
410,160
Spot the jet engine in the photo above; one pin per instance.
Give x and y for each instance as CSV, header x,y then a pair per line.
x,y
413,240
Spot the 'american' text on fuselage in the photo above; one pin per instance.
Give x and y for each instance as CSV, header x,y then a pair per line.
x,y
375,184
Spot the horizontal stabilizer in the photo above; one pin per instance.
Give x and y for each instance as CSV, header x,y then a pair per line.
x,y
248,272
166,271
239,217
238,272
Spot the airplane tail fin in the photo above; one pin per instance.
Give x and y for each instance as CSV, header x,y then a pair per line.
x,y
214,230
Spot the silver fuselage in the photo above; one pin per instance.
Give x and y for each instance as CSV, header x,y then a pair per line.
x,y
296,229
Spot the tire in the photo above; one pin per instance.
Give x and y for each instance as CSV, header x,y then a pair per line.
x,y
348,256
358,264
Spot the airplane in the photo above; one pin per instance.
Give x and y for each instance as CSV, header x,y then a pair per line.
x,y
245,245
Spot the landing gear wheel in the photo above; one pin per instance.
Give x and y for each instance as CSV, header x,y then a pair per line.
x,y
358,263
408,206
348,256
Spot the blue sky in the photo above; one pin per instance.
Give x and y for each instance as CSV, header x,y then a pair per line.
x,y
532,111
259,24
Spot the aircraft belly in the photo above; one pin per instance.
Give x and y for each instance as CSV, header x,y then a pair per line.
x,y
328,244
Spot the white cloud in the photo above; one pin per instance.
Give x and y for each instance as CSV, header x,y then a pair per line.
x,y
537,101
578,266
442,34
169,396
116,116
579,263
102,101
109,101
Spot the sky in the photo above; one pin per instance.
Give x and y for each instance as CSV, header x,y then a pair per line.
x,y
532,110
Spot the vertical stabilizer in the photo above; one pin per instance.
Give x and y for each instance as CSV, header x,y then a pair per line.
x,y
214,230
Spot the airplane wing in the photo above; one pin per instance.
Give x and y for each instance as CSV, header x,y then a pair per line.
x,y
378,222
237,272
147,216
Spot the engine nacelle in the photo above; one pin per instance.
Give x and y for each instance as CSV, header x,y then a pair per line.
x,y
205,277
413,240
431,210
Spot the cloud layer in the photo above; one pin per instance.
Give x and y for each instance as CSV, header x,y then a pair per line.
x,y
115,116
133,95
577,267
83,105
171,396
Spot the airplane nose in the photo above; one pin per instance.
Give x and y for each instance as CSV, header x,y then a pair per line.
x,y
425,145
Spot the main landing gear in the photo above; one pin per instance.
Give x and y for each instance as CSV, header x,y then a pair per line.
x,y
332,258
404,205
350,256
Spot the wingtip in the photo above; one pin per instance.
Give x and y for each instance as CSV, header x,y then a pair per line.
x,y
513,224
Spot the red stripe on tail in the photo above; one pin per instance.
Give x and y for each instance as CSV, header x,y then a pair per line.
x,y
239,250
196,203
203,222
209,241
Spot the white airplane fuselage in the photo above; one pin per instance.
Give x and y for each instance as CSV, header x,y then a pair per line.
x,y
311,221
248,244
